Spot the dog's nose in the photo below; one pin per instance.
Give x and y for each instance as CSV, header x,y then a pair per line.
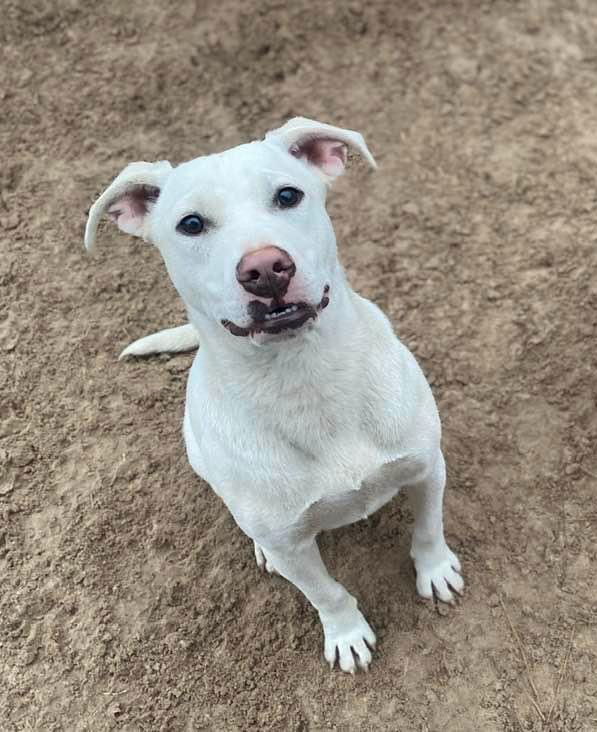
x,y
266,272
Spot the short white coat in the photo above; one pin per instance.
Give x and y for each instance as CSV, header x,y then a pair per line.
x,y
310,428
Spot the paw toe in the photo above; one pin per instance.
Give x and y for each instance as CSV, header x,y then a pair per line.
x,y
362,653
456,582
439,577
424,588
349,645
347,663
259,555
442,591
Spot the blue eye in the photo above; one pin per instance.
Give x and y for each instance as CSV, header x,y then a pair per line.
x,y
191,225
288,197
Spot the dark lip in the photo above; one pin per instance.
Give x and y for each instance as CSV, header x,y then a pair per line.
x,y
292,321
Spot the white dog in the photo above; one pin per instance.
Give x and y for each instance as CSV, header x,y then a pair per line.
x,y
304,411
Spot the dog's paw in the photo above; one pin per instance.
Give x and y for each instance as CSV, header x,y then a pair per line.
x,y
438,573
262,561
348,639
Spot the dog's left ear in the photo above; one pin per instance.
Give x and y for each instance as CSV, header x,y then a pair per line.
x,y
321,145
129,199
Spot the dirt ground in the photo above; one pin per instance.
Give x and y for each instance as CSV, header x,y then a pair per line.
x,y
129,598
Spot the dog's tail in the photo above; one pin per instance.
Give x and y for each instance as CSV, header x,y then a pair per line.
x,y
171,340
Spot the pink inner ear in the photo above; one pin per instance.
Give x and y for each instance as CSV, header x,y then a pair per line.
x,y
328,155
129,210
126,215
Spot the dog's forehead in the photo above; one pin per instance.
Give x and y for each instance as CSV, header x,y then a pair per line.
x,y
237,167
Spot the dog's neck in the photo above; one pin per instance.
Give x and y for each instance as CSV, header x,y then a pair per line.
x,y
313,365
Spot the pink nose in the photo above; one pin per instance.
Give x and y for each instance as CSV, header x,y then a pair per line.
x,y
266,272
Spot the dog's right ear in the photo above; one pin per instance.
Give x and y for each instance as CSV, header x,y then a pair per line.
x,y
129,199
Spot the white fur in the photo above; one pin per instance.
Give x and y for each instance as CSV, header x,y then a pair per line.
x,y
309,429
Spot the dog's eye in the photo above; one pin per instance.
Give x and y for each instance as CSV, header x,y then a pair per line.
x,y
288,197
191,225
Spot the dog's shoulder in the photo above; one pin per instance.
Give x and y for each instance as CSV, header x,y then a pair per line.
x,y
398,405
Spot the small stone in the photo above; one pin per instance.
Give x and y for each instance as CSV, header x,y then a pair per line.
x,y
11,426
6,487
11,221
115,709
464,69
25,77
411,209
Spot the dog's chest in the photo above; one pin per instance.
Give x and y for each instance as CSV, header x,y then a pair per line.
x,y
282,459
274,441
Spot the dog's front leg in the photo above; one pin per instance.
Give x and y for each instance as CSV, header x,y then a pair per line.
x,y
437,567
348,636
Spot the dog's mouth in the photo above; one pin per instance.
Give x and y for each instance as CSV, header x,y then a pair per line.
x,y
276,317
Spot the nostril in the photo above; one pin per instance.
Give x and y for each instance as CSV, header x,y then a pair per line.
x,y
266,272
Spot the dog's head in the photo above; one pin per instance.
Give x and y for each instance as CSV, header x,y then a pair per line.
x,y
244,234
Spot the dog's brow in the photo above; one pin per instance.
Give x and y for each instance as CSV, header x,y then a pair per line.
x,y
280,173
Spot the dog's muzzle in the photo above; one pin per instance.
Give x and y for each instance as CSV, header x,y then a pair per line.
x,y
277,318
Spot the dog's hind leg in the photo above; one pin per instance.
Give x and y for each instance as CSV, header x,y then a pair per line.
x,y
171,340
263,561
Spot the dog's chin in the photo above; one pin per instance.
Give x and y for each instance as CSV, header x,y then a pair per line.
x,y
278,322
262,338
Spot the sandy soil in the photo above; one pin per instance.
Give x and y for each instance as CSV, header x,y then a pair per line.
x,y
129,598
